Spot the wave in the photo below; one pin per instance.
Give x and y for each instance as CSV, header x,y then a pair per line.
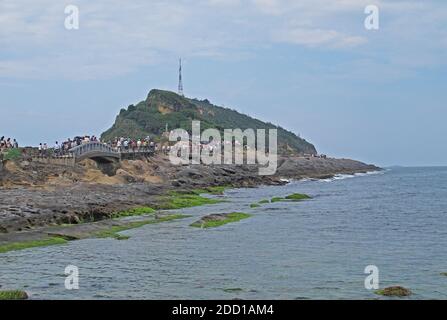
x,y
335,177
348,176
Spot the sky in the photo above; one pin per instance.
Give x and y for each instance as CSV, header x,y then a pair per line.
x,y
311,66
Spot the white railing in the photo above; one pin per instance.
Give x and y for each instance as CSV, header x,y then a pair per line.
x,y
82,149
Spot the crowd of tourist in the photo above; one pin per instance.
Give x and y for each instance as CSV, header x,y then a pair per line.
x,y
62,148
123,144
8,143
65,146
119,144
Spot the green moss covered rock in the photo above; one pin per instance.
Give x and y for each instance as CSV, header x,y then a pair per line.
x,y
297,197
13,295
217,220
394,291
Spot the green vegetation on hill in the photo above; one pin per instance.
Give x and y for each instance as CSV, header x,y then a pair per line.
x,y
150,117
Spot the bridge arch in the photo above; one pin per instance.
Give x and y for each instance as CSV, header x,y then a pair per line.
x,y
96,151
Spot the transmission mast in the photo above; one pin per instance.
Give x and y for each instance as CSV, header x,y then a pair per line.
x,y
180,82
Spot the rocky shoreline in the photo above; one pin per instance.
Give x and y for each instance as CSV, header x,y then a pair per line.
x,y
34,196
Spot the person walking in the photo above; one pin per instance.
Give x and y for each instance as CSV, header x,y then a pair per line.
x,y
57,149
45,149
138,144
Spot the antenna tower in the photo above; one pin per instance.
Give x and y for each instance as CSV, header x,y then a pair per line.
x,y
180,82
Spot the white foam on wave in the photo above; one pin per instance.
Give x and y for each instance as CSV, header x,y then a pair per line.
x,y
343,176
335,177
369,173
348,176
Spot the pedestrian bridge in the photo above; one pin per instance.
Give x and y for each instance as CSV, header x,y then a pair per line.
x,y
95,150
101,152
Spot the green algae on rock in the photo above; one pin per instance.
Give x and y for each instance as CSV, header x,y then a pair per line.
x,y
297,197
178,200
217,220
138,211
31,244
13,295
394,291
113,232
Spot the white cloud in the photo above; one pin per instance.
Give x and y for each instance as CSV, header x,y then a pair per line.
x,y
116,39
224,3
269,6
318,37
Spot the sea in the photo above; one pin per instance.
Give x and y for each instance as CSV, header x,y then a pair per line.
x,y
394,220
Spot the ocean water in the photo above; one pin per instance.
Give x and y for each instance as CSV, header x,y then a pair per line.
x,y
316,249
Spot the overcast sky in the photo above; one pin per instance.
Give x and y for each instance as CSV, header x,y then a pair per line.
x,y
309,65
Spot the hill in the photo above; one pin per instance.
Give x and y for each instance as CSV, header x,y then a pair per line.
x,y
150,117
